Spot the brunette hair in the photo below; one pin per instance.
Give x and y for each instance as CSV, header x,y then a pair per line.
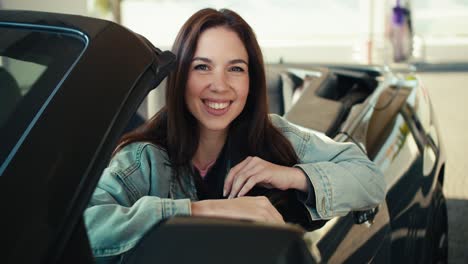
x,y
175,129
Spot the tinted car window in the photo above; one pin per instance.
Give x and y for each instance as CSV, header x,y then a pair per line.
x,y
16,79
33,62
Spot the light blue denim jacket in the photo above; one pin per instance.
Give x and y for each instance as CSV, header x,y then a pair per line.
x,y
137,190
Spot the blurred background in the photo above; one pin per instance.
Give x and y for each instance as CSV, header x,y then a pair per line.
x,y
330,31
431,35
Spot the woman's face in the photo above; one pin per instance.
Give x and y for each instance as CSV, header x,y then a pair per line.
x,y
218,79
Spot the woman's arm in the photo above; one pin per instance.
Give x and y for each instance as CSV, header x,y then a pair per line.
x,y
257,208
338,176
121,210
341,177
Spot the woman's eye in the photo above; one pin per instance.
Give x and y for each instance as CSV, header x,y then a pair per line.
x,y
201,67
237,69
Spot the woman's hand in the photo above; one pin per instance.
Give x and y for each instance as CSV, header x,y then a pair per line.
x,y
254,170
257,208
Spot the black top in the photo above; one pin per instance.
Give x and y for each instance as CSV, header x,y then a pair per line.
x,y
211,186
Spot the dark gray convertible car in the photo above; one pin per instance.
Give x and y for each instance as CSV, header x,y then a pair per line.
x,y
69,86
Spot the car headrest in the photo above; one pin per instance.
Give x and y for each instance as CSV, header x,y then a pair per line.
x,y
274,89
10,94
280,88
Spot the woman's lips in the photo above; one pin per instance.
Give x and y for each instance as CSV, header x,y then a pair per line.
x,y
217,107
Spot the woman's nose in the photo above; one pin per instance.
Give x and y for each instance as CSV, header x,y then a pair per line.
x,y
220,81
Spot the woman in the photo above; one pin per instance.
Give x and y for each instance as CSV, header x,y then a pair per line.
x,y
214,139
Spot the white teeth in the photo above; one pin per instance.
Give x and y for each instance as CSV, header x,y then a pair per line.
x,y
217,105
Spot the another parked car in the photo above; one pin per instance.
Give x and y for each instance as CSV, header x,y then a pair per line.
x,y
69,86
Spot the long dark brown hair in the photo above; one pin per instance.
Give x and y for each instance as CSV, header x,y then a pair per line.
x,y
175,129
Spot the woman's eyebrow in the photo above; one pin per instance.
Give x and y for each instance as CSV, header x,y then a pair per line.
x,y
202,59
238,61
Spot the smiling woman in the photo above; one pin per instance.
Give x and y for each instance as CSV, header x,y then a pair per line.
x,y
218,83
213,140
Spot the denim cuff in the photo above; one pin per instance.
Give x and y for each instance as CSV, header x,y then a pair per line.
x,y
318,200
176,207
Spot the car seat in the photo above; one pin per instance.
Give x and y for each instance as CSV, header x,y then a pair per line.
x,y
326,101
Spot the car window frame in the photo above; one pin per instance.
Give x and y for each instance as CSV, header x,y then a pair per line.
x,y
5,161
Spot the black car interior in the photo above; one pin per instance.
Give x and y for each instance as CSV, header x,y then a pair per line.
x,y
384,116
328,96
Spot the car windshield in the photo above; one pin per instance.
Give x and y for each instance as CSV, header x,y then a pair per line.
x,y
33,61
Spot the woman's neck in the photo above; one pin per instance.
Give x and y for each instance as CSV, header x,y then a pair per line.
x,y
209,146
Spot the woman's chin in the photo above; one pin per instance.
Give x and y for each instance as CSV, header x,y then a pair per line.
x,y
215,126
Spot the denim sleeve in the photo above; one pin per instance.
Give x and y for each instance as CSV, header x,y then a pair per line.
x,y
341,177
121,209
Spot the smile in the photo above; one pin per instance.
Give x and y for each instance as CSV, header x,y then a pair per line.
x,y
218,107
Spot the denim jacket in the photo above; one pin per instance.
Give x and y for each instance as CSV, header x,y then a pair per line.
x,y
137,189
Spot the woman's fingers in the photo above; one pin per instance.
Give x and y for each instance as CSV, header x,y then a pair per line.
x,y
230,177
250,183
273,214
256,171
239,175
276,215
242,177
259,208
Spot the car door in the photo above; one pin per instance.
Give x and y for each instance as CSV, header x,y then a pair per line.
x,y
86,78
